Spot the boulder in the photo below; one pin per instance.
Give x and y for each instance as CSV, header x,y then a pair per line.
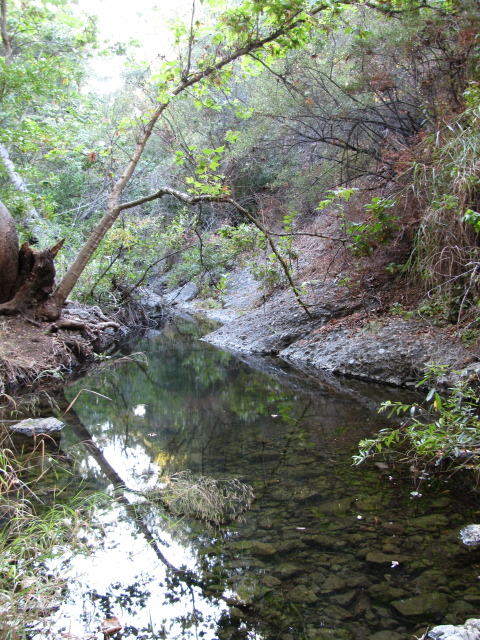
x,y
470,535
182,294
469,631
32,427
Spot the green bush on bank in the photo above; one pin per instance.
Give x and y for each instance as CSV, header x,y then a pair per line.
x,y
443,428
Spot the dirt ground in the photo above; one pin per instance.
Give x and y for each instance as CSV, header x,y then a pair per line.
x,y
29,352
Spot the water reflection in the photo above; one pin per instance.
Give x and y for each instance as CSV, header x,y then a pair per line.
x,y
327,550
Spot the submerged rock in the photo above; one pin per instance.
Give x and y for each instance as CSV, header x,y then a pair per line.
x,y
470,535
427,604
302,595
32,427
469,631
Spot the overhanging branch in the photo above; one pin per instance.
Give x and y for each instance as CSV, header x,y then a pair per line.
x,y
197,199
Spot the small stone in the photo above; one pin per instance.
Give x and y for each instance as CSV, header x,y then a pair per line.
x,y
394,528
470,535
262,549
343,599
338,613
377,557
358,581
271,582
287,570
333,583
331,634
387,635
301,594
334,507
37,426
431,522
384,592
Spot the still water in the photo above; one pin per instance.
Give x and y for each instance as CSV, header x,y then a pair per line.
x,y
326,550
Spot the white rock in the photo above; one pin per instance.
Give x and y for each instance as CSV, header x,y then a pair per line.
x,y
469,631
37,426
471,535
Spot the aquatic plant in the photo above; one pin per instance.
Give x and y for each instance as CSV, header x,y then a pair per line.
x,y
204,497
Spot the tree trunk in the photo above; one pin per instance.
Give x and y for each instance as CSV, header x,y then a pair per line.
x,y
8,254
6,39
15,178
27,276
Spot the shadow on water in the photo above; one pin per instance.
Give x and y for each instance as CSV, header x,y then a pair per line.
x,y
327,550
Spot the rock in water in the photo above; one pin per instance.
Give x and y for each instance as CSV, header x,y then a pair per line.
x,y
37,426
469,631
471,535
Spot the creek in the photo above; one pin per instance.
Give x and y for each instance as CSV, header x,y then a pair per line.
x,y
326,550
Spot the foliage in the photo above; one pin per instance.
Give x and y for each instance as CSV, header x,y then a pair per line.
x,y
378,229
39,96
206,262
443,428
446,256
122,259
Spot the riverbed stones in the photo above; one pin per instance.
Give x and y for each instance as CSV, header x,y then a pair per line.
x,y
333,583
378,557
432,522
271,582
32,427
385,593
387,635
333,507
253,547
426,604
329,634
301,594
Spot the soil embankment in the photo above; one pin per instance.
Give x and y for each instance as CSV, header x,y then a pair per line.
x,y
31,351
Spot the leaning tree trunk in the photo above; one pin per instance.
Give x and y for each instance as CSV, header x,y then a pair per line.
x,y
27,277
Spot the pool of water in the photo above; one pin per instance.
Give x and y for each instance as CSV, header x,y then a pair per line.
x,y
326,550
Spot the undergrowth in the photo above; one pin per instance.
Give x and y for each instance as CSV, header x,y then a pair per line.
x,y
443,429
32,535
445,258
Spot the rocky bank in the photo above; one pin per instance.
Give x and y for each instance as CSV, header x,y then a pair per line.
x,y
348,333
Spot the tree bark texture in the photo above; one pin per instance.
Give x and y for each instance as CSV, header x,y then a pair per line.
x,y
6,39
8,254
27,277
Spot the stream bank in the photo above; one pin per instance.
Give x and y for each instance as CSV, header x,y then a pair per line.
x,y
348,333
33,352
